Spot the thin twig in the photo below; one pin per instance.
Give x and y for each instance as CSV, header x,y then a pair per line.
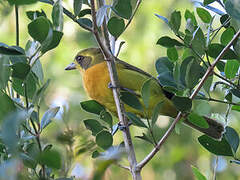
x,y
124,167
17,30
215,168
217,100
225,79
120,109
170,129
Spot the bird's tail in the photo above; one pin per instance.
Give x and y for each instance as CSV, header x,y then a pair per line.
x,y
215,129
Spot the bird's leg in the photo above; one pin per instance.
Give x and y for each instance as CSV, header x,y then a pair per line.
x,y
123,127
123,89
112,87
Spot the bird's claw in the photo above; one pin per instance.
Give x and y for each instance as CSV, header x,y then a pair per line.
x,y
123,127
111,86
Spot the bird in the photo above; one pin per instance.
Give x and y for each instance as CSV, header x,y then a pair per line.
x,y
96,81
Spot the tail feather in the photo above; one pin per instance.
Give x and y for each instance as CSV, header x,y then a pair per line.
x,y
215,130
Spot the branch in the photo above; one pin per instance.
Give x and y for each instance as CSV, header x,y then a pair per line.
x,y
170,129
120,109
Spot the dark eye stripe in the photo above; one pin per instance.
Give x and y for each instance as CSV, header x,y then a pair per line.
x,y
79,58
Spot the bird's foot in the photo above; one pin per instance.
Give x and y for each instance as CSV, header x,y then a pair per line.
x,y
123,127
111,86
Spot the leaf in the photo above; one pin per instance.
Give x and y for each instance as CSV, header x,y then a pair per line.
x,y
131,100
198,42
21,2
135,120
28,161
37,70
4,71
84,12
215,49
104,139
145,91
183,104
168,42
220,148
225,20
145,138
85,22
220,66
39,94
163,18
57,15
123,8
101,13
197,120
232,138
50,158
232,8
175,21
34,14
92,106
20,70
208,83
235,92
206,2
156,112
193,73
172,54
7,106
204,15
11,50
77,6
198,174
93,125
56,38
190,15
106,117
39,29
48,116
116,26
231,68
227,36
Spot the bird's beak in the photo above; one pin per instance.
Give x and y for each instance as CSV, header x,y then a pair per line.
x,y
71,66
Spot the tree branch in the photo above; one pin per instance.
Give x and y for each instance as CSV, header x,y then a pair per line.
x,y
170,129
120,109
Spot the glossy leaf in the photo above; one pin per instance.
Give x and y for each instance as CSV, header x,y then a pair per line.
x,y
104,139
57,15
232,138
227,36
135,120
106,117
131,100
123,8
220,148
11,50
198,174
20,70
172,54
116,26
38,70
168,42
198,42
190,15
92,106
77,6
225,20
206,2
85,22
93,125
56,38
183,104
197,120
175,21
204,15
84,12
231,69
48,116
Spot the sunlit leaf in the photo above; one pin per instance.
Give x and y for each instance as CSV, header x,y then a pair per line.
x,y
123,8
204,15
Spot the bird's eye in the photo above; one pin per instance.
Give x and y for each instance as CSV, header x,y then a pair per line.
x,y
79,59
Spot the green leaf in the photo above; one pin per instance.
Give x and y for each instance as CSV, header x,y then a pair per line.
x,y
93,125
190,15
21,2
4,71
6,104
56,38
145,91
225,20
39,29
204,15
235,92
30,82
37,70
197,120
220,66
92,106
50,158
85,22
104,139
57,15
198,174
193,74
232,8
206,2
215,49
106,117
232,138
77,6
220,148
156,112
183,104
145,138
135,120
35,14
116,26
175,21
39,94
198,42
123,8
231,69
11,50
227,36
48,116
172,54
20,70
168,42
84,12
131,100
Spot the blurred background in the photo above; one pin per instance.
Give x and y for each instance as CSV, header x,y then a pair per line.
x,y
68,133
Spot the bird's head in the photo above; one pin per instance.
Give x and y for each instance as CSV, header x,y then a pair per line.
x,y
85,59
